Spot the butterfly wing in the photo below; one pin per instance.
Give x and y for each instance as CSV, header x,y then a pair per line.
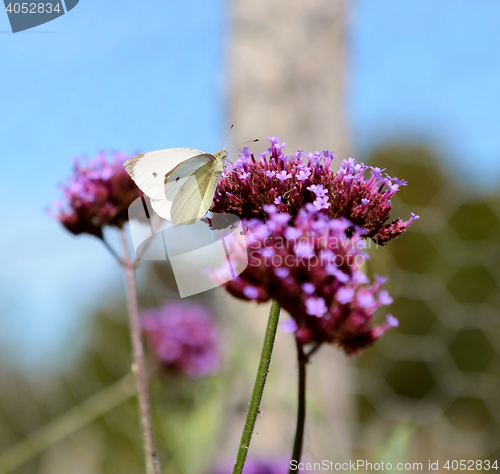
x,y
189,190
194,198
148,170
178,177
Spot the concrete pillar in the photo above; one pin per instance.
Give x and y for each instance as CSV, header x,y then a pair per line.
x,y
287,65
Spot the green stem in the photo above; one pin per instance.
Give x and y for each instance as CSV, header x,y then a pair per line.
x,y
67,424
301,409
139,366
258,389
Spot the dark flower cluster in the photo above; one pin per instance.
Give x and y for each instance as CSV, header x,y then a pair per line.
x,y
98,194
183,338
289,182
312,269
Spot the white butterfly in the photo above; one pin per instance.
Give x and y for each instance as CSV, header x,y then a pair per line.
x,y
180,182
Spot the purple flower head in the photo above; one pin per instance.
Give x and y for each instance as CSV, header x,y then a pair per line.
x,y
183,338
307,178
303,174
289,325
315,307
245,151
251,292
274,140
308,288
282,272
345,295
318,190
384,297
390,322
98,194
283,175
321,203
313,270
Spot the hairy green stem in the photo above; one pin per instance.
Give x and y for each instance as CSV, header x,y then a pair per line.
x,y
258,389
301,410
139,366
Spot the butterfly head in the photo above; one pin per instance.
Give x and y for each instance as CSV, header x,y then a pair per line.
x,y
221,155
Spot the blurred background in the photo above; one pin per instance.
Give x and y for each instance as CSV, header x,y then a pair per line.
x,y
412,87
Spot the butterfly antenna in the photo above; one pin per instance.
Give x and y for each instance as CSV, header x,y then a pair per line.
x,y
228,135
244,143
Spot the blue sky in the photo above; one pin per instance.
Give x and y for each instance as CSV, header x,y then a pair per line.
x,y
112,75
429,69
119,75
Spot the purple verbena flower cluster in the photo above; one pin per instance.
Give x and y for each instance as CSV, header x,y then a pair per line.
x,y
290,182
98,194
183,337
312,269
